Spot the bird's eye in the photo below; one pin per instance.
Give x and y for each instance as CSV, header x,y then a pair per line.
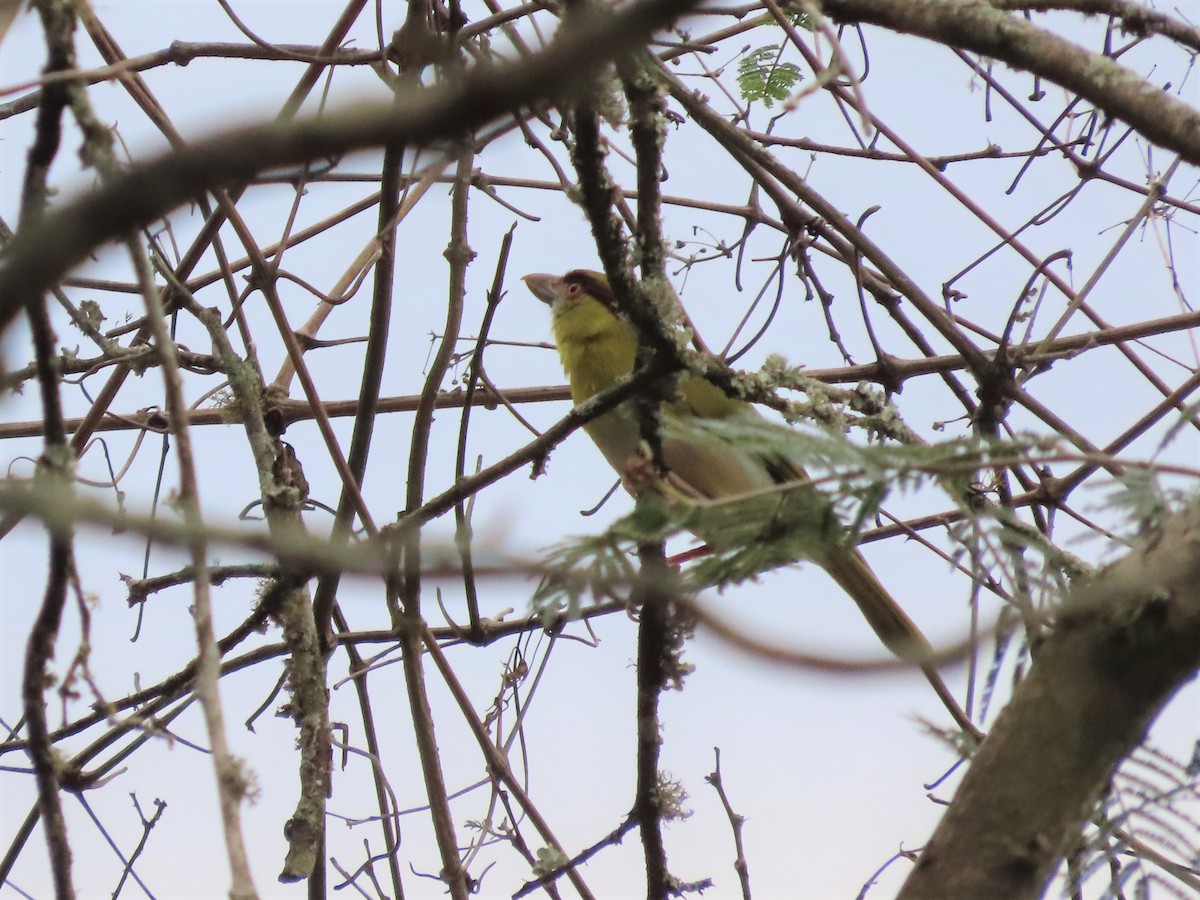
x,y
573,289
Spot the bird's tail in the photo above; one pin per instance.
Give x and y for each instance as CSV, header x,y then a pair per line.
x,y
896,630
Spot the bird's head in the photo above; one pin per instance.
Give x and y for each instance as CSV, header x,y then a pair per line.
x,y
560,292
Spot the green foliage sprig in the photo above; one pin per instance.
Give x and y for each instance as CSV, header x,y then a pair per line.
x,y
761,76
794,521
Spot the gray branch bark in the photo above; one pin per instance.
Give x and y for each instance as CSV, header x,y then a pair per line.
x,y
1118,91
1123,644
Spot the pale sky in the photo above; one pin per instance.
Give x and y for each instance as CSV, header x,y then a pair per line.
x,y
829,771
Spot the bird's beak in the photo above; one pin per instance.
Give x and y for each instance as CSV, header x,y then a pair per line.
x,y
544,287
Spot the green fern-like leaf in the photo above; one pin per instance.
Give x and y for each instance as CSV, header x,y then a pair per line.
x,y
755,533
761,76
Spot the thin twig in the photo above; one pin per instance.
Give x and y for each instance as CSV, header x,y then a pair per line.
x,y
231,785
736,822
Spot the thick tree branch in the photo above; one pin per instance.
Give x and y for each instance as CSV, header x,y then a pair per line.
x,y
1123,645
980,27
1135,17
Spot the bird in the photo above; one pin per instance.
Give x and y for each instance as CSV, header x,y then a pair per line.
x,y
701,450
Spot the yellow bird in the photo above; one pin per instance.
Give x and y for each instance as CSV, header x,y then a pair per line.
x,y
597,345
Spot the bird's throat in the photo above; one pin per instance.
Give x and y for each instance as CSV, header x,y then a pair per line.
x,y
597,349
